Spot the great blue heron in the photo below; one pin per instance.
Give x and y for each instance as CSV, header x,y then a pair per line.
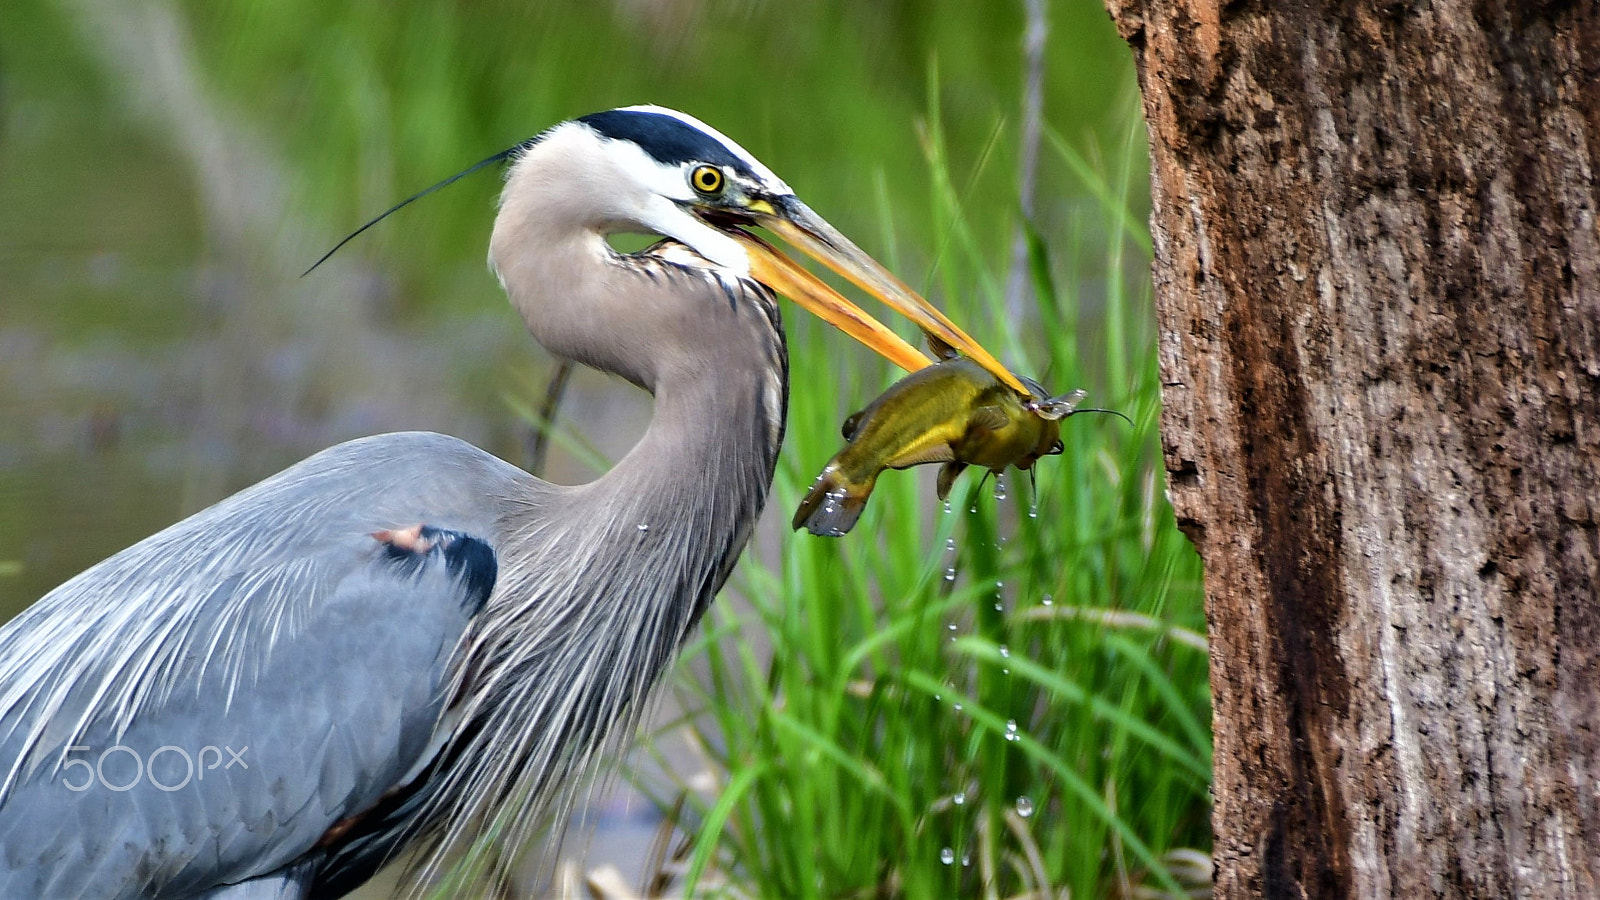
x,y
404,638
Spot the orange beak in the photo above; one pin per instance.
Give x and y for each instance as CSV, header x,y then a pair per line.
x,y
800,227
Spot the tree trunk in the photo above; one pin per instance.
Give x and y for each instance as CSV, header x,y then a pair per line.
x,y
1377,270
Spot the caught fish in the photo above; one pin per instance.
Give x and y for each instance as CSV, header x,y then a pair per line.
x,y
952,412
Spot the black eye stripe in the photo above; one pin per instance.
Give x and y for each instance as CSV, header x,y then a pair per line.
x,y
666,139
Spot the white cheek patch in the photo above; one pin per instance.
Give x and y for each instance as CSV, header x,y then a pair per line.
x,y
651,195
670,181
666,218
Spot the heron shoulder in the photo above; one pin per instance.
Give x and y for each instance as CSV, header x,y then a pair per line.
x,y
263,621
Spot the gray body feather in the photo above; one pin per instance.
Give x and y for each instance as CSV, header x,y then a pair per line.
x,y
275,621
291,639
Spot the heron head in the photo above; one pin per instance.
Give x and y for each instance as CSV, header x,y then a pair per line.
x,y
655,170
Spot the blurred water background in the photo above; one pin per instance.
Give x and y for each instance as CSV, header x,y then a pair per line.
x,y
168,168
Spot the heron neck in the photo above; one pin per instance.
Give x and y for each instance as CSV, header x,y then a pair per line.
x,y
697,480
600,584
667,522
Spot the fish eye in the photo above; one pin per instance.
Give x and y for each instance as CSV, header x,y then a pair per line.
x,y
706,179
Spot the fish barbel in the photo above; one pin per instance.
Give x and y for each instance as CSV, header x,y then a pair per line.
x,y
952,412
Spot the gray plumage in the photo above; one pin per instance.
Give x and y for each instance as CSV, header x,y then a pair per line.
x,y
404,640
275,621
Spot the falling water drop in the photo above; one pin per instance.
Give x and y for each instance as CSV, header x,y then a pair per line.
x,y
1048,600
1000,487
947,507
959,798
947,856
1024,807
1005,651
1011,729
643,527
957,707
949,573
950,545
966,857
1033,505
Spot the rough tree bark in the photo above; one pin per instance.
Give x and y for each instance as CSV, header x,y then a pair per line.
x,y
1378,279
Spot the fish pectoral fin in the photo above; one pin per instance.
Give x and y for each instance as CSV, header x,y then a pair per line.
x,y
948,473
988,418
937,451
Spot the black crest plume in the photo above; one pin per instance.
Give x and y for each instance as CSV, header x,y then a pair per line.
x,y
498,157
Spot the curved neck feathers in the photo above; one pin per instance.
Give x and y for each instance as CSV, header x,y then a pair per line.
x,y
579,298
668,520
708,344
600,583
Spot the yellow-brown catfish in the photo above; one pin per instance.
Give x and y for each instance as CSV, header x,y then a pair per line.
x,y
952,412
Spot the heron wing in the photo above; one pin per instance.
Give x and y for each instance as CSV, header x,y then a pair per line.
x,y
202,708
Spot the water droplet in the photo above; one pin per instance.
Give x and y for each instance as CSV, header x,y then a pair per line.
x,y
1011,729
1024,807
1033,503
643,527
949,573
1048,600
1005,651
951,626
973,509
999,607
958,707
966,858
947,856
950,545
938,698
947,507
1000,487
999,585
959,798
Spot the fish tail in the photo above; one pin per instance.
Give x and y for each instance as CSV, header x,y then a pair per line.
x,y
833,504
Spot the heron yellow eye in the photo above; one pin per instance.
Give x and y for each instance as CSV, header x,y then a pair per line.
x,y
706,179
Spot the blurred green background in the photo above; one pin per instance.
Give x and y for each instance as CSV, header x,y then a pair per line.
x,y
167,169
